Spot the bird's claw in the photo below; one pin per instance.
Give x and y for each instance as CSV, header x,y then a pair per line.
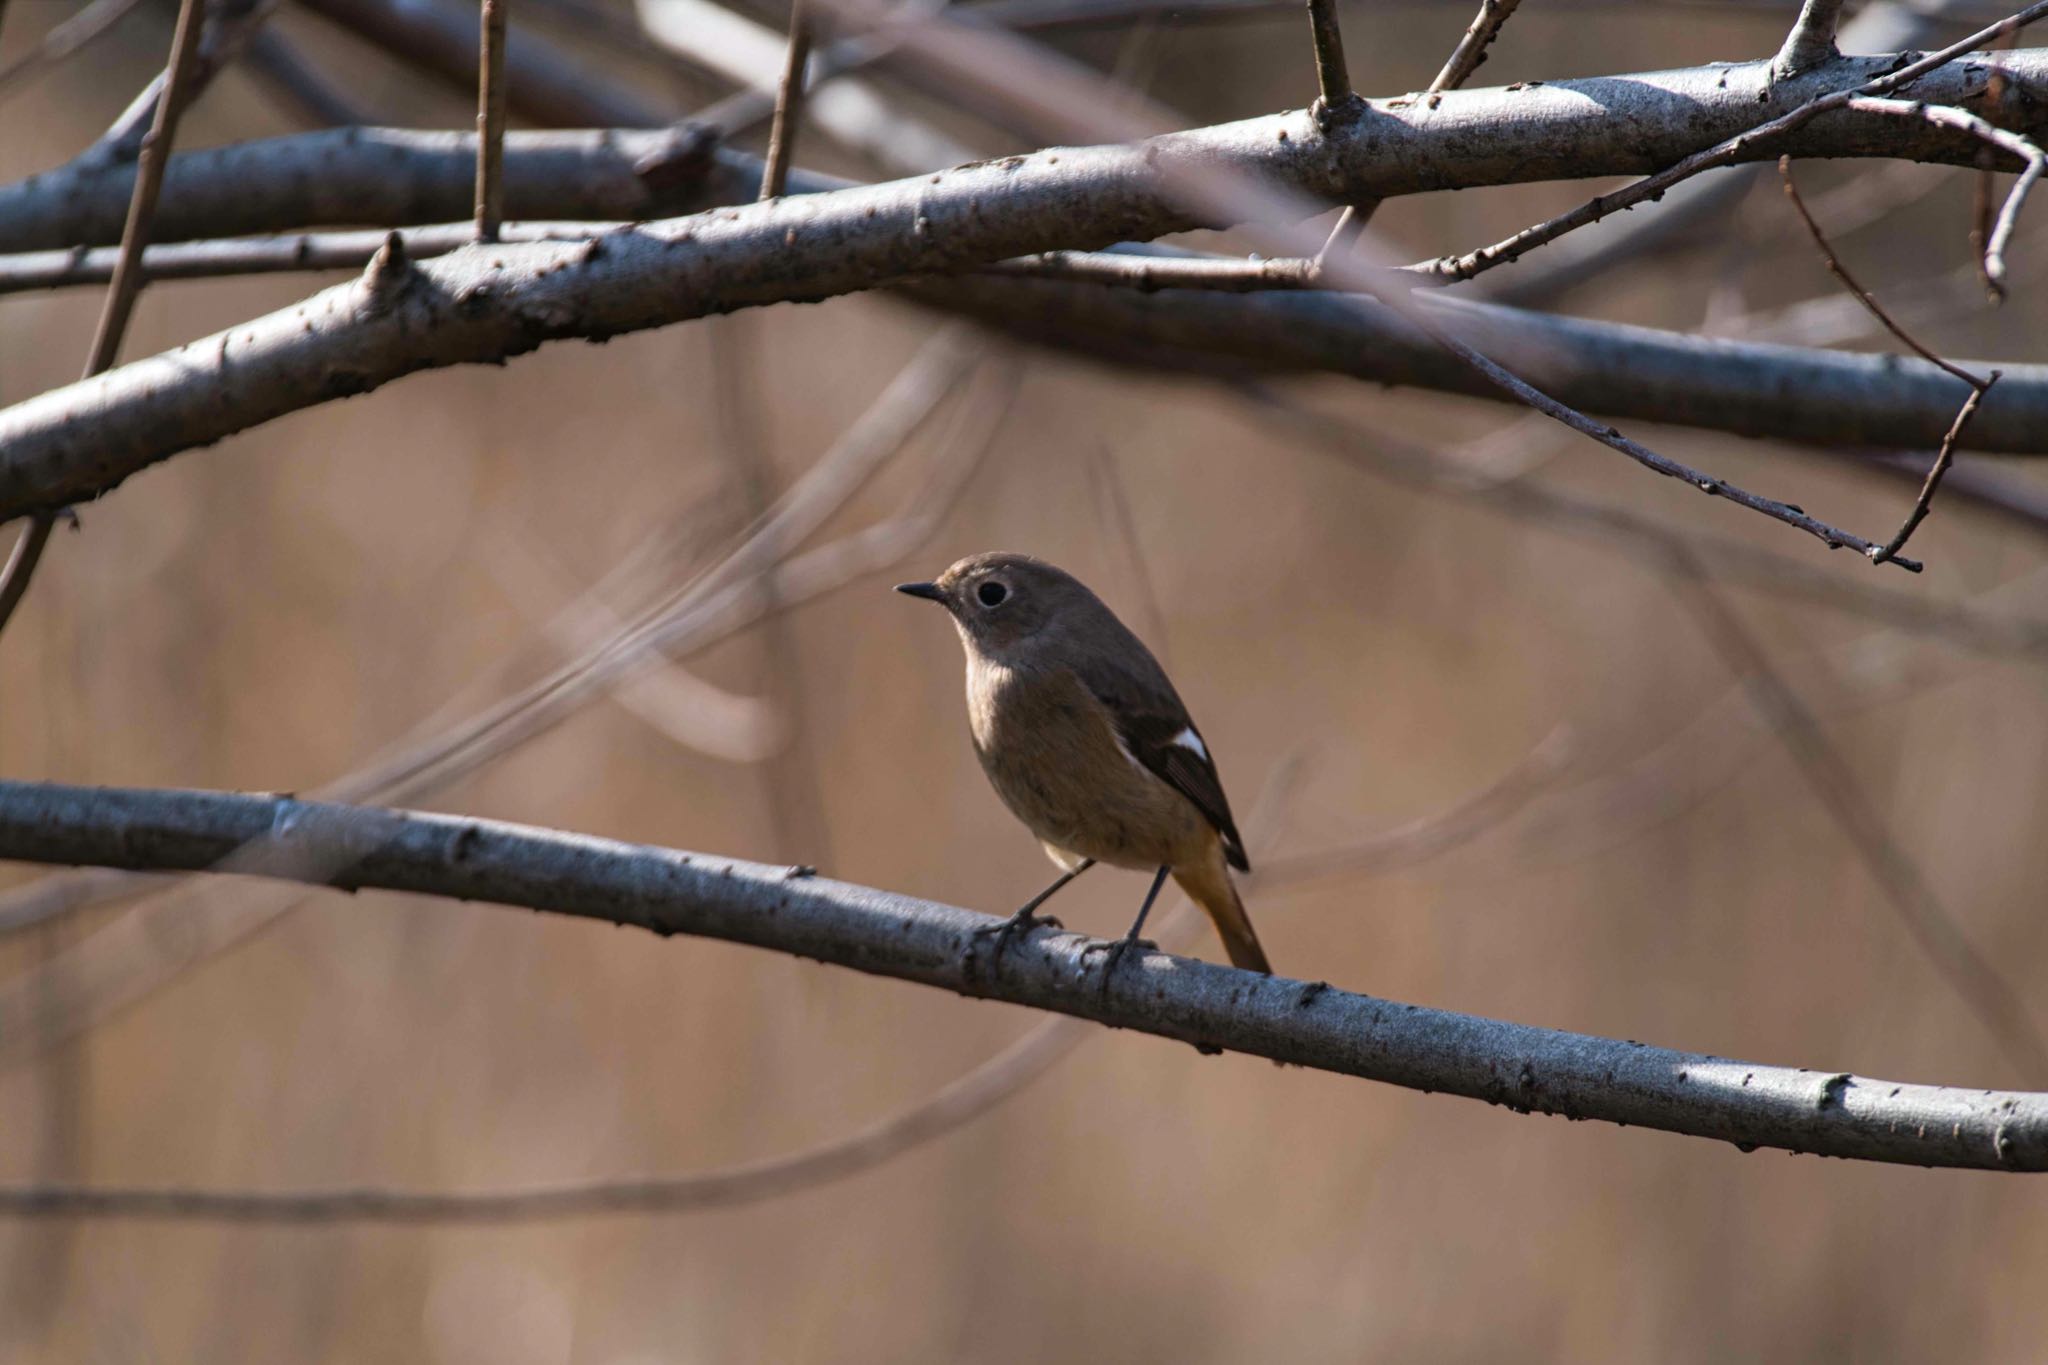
x,y
1114,953
1018,926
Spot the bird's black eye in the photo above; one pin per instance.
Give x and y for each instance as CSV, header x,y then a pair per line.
x,y
991,593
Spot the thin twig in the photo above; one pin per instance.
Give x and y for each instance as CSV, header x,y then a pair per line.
x,y
1831,536
490,120
1470,53
1454,268
1942,460
2026,149
21,563
149,180
1863,296
1980,199
1979,386
66,38
1333,80
789,103
127,281
229,27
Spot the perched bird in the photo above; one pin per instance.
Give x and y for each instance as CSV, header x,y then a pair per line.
x,y
1088,744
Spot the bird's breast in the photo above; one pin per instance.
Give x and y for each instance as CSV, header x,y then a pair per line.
x,y
1052,754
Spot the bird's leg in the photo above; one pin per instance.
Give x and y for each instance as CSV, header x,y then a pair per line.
x,y
1131,940
1027,919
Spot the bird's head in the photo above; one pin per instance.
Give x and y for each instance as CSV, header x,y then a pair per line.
x,y
1005,602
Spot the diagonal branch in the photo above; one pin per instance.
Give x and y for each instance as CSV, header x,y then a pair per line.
x,y
1470,53
1213,1007
127,278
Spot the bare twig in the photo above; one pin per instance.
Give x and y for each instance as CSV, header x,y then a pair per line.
x,y
1797,517
127,280
1863,296
490,120
66,38
1943,458
1812,39
1309,1024
2026,149
1981,196
1979,386
21,563
149,179
789,103
229,27
1333,80
1744,145
1470,53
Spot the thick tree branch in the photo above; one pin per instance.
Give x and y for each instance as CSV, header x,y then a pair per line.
x,y
1616,125
488,303
1212,1007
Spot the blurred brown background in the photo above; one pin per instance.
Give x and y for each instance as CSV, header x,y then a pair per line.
x,y
270,613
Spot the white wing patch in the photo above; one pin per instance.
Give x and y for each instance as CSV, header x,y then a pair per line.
x,y
1188,739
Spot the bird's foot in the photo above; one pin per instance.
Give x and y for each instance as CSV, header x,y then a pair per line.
x,y
1016,928
1114,954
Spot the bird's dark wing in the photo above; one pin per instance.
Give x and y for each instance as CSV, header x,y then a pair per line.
x,y
1155,728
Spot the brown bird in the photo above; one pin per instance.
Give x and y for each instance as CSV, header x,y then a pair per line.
x,y
1084,738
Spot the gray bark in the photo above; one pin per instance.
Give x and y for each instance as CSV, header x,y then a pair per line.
x,y
1562,130
1213,1007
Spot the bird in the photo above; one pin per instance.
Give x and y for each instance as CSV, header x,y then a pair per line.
x,y
1082,735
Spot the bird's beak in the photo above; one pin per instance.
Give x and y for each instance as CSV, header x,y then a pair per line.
x,y
931,592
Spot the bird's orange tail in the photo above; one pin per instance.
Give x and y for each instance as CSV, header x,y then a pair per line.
x,y
1208,885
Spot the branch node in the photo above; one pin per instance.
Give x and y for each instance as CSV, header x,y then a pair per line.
x,y
388,272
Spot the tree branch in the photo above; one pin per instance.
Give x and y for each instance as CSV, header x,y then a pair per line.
x,y
789,103
1812,39
490,120
953,1105
1761,138
1614,125
1212,1007
1470,52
